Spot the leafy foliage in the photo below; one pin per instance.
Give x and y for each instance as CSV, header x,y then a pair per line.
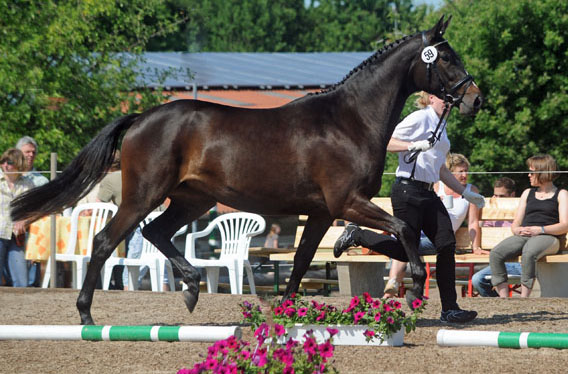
x,y
517,51
289,25
61,78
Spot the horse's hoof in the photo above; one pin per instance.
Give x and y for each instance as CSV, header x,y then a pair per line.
x,y
190,300
87,321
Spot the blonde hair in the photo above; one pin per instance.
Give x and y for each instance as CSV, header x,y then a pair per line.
x,y
454,160
16,156
545,165
422,100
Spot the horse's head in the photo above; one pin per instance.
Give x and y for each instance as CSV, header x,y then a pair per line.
x,y
439,71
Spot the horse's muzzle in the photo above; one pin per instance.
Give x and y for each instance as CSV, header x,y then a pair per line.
x,y
472,100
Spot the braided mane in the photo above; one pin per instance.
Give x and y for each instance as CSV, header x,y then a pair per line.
x,y
375,57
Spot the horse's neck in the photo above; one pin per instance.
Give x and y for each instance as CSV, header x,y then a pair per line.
x,y
382,88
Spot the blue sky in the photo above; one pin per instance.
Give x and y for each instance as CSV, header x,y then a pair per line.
x,y
430,2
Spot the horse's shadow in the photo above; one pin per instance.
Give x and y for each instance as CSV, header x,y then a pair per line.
x,y
500,319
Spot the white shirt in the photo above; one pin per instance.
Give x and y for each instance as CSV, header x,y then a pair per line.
x,y
420,125
459,211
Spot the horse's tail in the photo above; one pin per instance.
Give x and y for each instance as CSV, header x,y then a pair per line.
x,y
82,174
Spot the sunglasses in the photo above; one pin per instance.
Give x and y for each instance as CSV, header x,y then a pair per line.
x,y
9,162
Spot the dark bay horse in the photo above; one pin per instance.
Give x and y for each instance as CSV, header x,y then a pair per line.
x,y
322,155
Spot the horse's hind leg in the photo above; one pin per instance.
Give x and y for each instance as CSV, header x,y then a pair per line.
x,y
104,244
315,229
160,231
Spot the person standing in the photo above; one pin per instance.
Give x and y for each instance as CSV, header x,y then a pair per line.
x,y
502,187
272,237
12,234
458,208
415,202
29,148
539,227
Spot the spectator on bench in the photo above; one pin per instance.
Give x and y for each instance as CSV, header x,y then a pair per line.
x,y
539,227
502,187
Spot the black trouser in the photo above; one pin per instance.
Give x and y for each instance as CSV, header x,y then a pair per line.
x,y
422,210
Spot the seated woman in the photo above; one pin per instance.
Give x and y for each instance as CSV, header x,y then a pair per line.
x,y
540,223
458,208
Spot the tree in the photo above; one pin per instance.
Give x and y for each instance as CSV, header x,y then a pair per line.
x,y
235,26
61,78
289,25
516,50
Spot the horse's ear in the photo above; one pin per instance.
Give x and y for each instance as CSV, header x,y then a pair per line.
x,y
441,26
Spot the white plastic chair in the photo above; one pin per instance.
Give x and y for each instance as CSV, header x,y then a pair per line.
x,y
100,215
236,231
150,256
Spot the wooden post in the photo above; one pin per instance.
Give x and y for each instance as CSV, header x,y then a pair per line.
x,y
52,244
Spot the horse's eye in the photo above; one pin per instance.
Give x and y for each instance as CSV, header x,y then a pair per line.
x,y
445,57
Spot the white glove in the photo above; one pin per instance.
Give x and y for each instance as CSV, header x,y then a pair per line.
x,y
420,145
473,197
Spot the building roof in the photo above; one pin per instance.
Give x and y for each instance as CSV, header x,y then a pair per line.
x,y
227,70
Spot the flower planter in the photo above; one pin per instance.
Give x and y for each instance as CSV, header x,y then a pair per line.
x,y
348,335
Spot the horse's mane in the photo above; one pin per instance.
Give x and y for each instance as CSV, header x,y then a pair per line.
x,y
376,57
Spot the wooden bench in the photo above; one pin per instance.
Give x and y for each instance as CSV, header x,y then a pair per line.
x,y
358,273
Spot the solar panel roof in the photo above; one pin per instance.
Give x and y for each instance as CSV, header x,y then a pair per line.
x,y
250,70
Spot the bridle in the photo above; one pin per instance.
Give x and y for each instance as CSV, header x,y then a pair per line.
x,y
429,55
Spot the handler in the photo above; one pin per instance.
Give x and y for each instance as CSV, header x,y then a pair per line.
x,y
414,201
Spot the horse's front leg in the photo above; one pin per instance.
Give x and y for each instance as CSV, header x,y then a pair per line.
x,y
365,213
104,244
315,229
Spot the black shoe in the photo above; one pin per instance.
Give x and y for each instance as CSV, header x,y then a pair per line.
x,y
345,240
458,316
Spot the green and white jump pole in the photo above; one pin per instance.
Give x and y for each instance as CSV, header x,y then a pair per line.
x,y
116,333
498,339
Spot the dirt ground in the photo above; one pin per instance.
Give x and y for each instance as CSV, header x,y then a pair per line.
x,y
420,353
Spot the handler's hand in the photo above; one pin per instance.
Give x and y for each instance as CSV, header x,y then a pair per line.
x,y
473,197
420,145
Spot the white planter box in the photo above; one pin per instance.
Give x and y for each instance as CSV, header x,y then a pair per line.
x,y
348,335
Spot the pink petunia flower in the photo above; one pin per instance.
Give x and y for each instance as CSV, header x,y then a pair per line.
x,y
211,364
279,330
376,304
367,297
354,301
326,349
390,320
290,312
278,310
332,331
302,312
244,355
378,317
416,303
369,333
288,370
259,358
321,316
310,346
357,317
